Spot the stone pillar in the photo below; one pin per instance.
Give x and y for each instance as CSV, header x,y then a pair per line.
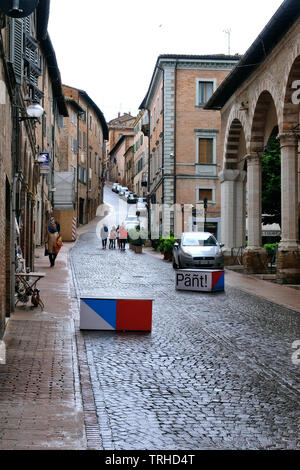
x,y
232,211
255,257
288,260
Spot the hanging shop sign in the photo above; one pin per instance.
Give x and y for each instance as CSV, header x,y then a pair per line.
x,y
44,161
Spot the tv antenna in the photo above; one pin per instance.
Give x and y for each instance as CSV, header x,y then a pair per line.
x,y
228,32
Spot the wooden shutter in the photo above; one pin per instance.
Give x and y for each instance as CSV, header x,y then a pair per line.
x,y
205,151
205,193
17,48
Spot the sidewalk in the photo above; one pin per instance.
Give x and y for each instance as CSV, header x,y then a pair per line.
x,y
276,293
40,395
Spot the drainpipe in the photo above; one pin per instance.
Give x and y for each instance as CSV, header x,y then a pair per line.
x,y
13,244
15,168
76,176
175,135
87,164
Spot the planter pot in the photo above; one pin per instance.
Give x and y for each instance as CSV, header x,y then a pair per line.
x,y
131,247
138,249
168,256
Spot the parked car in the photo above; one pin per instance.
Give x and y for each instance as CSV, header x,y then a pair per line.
x,y
114,187
118,187
132,199
122,191
125,195
141,207
198,250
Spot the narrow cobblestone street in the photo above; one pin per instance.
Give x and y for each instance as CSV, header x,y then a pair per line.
x,y
215,372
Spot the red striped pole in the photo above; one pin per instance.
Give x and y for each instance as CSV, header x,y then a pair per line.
x,y
74,229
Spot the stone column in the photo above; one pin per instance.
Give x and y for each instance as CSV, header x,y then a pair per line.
x,y
232,211
255,257
288,261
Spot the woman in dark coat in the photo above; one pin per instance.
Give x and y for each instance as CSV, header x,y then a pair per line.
x,y
52,237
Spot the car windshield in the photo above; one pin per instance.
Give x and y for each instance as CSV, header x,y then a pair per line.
x,y
199,240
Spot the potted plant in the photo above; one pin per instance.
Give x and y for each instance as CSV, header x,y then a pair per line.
x,y
166,247
137,239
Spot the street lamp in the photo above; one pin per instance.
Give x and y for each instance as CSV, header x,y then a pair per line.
x,y
34,112
205,211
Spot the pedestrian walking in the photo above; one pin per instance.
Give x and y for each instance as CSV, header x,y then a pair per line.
x,y
51,241
123,237
104,236
118,236
112,238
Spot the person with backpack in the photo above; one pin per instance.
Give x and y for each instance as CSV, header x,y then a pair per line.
x,y
104,236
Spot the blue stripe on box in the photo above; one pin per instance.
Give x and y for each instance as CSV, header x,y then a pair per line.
x,y
106,309
220,284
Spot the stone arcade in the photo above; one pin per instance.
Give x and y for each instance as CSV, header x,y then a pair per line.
x,y
258,99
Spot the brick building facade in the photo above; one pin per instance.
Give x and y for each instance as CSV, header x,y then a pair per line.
x,y
28,74
118,127
84,136
184,139
141,152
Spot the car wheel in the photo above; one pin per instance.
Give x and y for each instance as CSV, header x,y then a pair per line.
x,y
175,266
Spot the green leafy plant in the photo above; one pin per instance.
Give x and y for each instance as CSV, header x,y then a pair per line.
x,y
166,245
137,237
271,183
270,248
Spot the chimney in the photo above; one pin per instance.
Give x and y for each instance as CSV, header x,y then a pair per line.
x,y
118,114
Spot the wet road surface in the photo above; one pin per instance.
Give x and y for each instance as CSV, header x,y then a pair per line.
x,y
216,371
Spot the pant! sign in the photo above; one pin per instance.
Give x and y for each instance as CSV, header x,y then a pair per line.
x,y
196,280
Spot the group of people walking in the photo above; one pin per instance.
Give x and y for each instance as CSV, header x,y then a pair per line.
x,y
118,234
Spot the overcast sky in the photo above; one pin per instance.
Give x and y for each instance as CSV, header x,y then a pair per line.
x,y
109,48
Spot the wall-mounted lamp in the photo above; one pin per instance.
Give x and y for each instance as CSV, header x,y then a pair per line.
x,y
34,112
18,8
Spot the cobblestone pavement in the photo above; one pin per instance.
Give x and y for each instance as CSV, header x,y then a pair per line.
x,y
215,372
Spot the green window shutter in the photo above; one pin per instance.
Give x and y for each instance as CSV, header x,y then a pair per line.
x,y
17,48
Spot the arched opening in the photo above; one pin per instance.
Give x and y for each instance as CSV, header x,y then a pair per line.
x,y
271,190
264,121
235,145
232,179
263,130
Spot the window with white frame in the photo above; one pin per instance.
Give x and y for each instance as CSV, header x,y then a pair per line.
x,y
205,87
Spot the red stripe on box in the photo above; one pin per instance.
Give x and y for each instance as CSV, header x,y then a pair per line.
x,y
134,315
216,277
